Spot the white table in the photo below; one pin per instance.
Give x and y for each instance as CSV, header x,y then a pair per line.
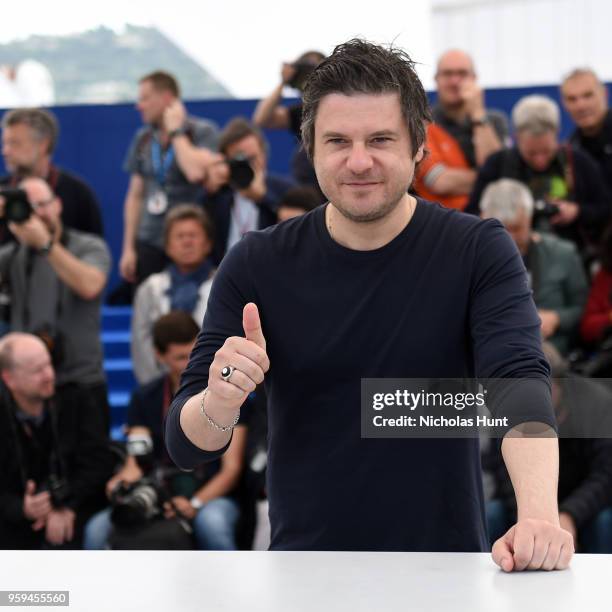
x,y
110,581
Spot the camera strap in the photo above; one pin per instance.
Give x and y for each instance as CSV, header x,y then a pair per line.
x,y
56,462
161,161
31,256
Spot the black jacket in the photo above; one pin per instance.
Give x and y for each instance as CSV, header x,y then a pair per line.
x,y
71,441
589,190
219,207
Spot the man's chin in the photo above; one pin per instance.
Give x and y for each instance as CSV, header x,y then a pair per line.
x,y
364,212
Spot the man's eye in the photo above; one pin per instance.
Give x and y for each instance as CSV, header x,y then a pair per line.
x,y
336,140
381,139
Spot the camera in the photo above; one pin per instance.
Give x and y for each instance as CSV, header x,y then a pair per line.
x,y
135,504
544,208
17,207
302,71
241,172
59,490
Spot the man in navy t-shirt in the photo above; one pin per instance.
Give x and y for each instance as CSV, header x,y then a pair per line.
x,y
375,284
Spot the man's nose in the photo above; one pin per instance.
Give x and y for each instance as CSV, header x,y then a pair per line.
x,y
359,159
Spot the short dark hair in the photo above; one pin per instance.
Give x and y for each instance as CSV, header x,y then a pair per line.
x,y
162,81
237,129
304,197
181,212
359,66
42,122
176,327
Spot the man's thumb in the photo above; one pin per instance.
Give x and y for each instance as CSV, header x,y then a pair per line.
x,y
30,487
502,552
252,325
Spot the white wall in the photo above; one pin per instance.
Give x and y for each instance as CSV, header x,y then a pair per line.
x,y
526,42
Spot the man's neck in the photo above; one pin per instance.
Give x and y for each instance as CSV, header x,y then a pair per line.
x,y
31,407
368,236
43,167
457,113
187,269
175,380
594,130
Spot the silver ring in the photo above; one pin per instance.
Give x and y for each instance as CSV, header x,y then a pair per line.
x,y
226,372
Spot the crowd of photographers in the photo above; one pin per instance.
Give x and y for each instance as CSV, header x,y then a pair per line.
x,y
194,191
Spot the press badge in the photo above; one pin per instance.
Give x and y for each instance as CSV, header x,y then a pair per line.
x,y
157,204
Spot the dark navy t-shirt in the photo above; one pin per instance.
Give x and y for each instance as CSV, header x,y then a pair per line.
x,y
448,297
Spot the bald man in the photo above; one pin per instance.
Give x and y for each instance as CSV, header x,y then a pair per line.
x,y
54,455
55,277
585,98
463,135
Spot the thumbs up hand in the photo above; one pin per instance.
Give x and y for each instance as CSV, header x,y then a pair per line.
x,y
239,365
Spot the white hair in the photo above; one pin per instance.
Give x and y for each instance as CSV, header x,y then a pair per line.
x,y
505,199
536,115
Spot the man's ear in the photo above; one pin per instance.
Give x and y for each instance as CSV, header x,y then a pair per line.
x,y
158,356
7,379
419,154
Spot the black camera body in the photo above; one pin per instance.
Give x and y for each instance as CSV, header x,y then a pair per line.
x,y
544,208
302,71
241,172
17,207
59,490
135,504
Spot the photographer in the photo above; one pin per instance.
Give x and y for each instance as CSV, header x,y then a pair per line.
x,y
204,499
54,454
241,195
167,162
51,284
555,272
571,198
29,138
272,114
184,285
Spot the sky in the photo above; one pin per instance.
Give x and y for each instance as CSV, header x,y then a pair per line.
x,y
243,43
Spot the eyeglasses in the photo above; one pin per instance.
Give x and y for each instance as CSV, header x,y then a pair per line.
x,y
43,203
449,74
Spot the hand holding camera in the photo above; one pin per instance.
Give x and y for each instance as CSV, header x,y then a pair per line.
x,y
27,227
568,212
236,172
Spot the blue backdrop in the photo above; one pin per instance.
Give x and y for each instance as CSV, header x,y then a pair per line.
x,y
94,140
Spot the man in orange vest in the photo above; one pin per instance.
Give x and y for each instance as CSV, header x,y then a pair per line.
x,y
464,133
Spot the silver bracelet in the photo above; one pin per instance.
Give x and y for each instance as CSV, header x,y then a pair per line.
x,y
211,422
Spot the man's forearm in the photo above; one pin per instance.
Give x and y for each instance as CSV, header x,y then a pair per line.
x,y
84,279
192,161
131,217
533,465
197,428
486,141
454,181
265,107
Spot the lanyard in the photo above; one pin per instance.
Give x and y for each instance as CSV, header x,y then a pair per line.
x,y
161,163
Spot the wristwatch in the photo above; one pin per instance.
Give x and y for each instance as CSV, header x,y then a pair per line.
x,y
479,122
196,503
178,132
47,248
